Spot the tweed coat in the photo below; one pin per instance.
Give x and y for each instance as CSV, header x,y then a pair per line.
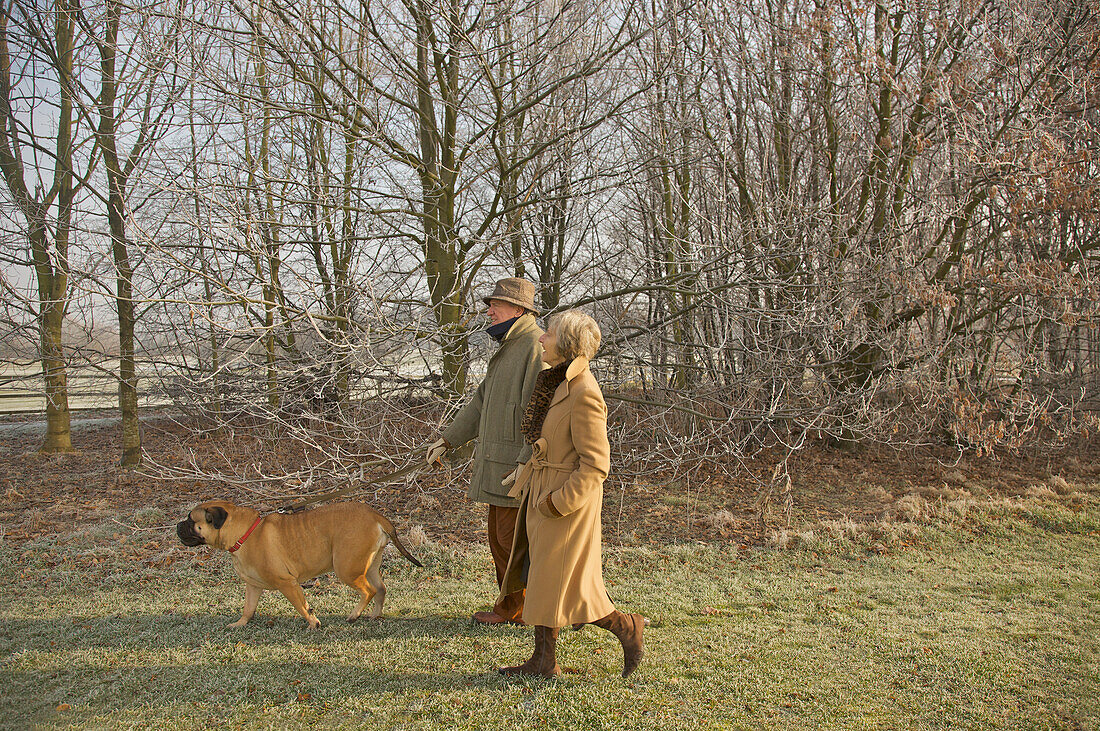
x,y
556,549
493,413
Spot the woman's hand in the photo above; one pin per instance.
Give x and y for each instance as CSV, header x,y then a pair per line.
x,y
546,507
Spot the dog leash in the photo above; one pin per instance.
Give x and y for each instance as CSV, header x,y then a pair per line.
x,y
302,503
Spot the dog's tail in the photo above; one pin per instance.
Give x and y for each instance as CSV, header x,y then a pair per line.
x,y
390,531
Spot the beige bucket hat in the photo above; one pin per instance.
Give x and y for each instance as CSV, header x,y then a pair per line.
x,y
516,290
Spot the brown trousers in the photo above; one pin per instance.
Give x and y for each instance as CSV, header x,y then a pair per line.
x,y
502,529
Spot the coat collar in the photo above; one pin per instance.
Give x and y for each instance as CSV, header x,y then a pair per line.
x,y
524,324
576,368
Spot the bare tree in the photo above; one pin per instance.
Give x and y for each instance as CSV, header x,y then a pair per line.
x,y
132,106
863,222
454,119
820,184
38,71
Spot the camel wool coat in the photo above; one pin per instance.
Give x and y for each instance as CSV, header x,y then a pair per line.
x,y
556,549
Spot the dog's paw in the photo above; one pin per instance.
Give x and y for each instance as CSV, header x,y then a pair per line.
x,y
239,623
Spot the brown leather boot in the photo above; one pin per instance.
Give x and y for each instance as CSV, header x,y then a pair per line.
x,y
548,662
628,628
544,661
531,666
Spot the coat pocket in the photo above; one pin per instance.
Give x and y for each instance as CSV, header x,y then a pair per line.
x,y
506,452
492,472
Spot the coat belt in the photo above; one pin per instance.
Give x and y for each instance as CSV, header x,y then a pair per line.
x,y
536,466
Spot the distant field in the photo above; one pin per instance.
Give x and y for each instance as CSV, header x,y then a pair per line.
x,y
96,387
21,388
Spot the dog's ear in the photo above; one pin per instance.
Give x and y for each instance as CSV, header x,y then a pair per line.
x,y
216,516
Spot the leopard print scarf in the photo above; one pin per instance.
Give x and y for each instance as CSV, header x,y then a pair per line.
x,y
545,384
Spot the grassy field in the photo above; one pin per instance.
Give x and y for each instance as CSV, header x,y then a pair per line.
x,y
991,622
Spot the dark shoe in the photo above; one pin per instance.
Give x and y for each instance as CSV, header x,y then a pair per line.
x,y
544,661
494,618
628,628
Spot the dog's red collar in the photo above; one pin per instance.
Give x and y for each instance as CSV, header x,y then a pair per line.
x,y
247,533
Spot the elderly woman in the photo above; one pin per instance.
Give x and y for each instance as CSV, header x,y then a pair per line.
x,y
556,549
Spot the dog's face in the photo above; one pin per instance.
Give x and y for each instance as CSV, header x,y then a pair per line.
x,y
202,524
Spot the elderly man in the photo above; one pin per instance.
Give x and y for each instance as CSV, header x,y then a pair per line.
x,y
492,416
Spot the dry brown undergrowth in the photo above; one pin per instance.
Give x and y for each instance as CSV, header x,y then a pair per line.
x,y
876,492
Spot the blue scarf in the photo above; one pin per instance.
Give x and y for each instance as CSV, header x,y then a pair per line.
x,y
498,331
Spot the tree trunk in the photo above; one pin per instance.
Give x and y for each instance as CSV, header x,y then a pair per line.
x,y
443,256
51,259
124,272
58,434
446,299
205,258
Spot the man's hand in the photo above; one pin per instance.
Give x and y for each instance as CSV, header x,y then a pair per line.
x,y
436,450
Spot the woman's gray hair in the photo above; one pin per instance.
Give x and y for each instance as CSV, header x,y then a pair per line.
x,y
577,334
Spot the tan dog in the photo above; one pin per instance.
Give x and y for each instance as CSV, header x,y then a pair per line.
x,y
280,551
